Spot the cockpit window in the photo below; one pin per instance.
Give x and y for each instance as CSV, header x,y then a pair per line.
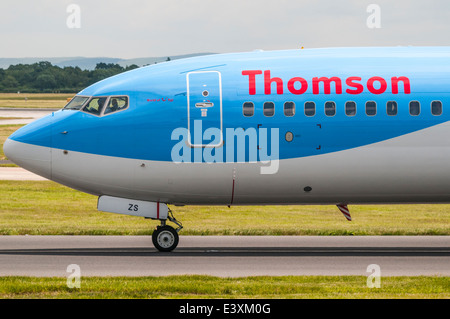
x,y
95,105
76,103
116,103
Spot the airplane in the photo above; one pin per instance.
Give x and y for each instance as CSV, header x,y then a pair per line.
x,y
337,126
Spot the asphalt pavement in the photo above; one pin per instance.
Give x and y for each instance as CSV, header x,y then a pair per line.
x,y
226,256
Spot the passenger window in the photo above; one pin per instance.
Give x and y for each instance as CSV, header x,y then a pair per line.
x,y
116,103
330,108
289,108
269,108
371,108
95,105
310,108
436,107
414,108
248,108
350,108
391,108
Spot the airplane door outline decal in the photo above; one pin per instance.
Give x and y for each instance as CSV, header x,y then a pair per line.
x,y
204,106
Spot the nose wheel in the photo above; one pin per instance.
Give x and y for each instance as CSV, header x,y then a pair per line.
x,y
165,238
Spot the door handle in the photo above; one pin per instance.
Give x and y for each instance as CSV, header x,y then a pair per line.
x,y
204,104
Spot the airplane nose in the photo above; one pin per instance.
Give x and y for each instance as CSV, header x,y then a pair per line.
x,y
29,147
36,159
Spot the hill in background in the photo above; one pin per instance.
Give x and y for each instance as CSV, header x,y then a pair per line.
x,y
90,63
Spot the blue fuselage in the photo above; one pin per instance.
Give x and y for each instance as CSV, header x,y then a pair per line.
x,y
158,101
319,101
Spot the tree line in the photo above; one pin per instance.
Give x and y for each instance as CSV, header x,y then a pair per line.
x,y
43,77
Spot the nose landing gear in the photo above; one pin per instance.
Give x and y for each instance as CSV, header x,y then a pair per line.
x,y
165,238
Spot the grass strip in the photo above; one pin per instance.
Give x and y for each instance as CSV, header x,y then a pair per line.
x,y
195,286
35,96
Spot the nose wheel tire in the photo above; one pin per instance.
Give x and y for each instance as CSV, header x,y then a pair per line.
x,y
165,238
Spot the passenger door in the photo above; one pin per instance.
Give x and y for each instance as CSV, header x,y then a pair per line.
x,y
204,95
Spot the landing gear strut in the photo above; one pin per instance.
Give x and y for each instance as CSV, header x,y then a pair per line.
x,y
165,238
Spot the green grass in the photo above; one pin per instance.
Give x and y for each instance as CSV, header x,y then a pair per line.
x,y
196,286
47,208
36,96
14,118
33,100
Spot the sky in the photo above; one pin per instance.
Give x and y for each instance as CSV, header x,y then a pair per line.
x,y
149,28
